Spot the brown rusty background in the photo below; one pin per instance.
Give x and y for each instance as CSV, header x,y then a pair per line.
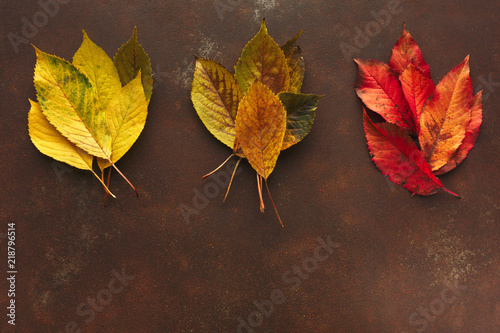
x,y
395,252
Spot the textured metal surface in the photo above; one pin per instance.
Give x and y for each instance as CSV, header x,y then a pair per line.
x,y
393,254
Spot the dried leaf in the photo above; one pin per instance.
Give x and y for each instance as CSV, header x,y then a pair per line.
x,y
130,59
216,95
295,62
397,157
263,60
379,88
125,116
405,52
92,61
471,134
260,128
417,87
445,116
68,101
301,111
50,142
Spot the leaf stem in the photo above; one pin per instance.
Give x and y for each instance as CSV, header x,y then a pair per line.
x,y
123,176
452,193
231,181
275,209
102,182
220,166
259,188
107,184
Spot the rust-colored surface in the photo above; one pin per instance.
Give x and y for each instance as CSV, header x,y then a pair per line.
x,y
392,254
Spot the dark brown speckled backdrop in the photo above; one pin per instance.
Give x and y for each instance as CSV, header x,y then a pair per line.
x,y
392,255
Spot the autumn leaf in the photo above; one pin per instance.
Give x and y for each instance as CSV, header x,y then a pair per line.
x,y
405,52
125,118
68,100
50,142
216,95
263,60
445,116
83,110
397,156
92,61
301,111
260,128
471,134
295,62
417,87
380,90
132,58
246,111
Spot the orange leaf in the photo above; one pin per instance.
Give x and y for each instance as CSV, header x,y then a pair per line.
x,y
445,116
260,128
471,135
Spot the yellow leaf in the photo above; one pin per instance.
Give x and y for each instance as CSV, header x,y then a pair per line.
x,y
92,61
260,128
126,117
216,95
67,99
263,60
50,142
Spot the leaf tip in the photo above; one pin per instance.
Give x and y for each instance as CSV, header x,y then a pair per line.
x,y
263,25
37,50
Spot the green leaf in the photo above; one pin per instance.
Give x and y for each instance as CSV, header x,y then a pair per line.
x,y
263,60
301,111
296,63
216,95
68,100
130,59
92,61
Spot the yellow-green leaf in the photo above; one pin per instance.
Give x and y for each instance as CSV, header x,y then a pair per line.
x,y
130,59
296,64
50,142
263,60
126,117
301,111
260,128
216,95
92,61
67,99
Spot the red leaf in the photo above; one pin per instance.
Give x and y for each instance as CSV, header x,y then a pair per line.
x,y
471,135
445,116
380,90
405,52
397,156
417,87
